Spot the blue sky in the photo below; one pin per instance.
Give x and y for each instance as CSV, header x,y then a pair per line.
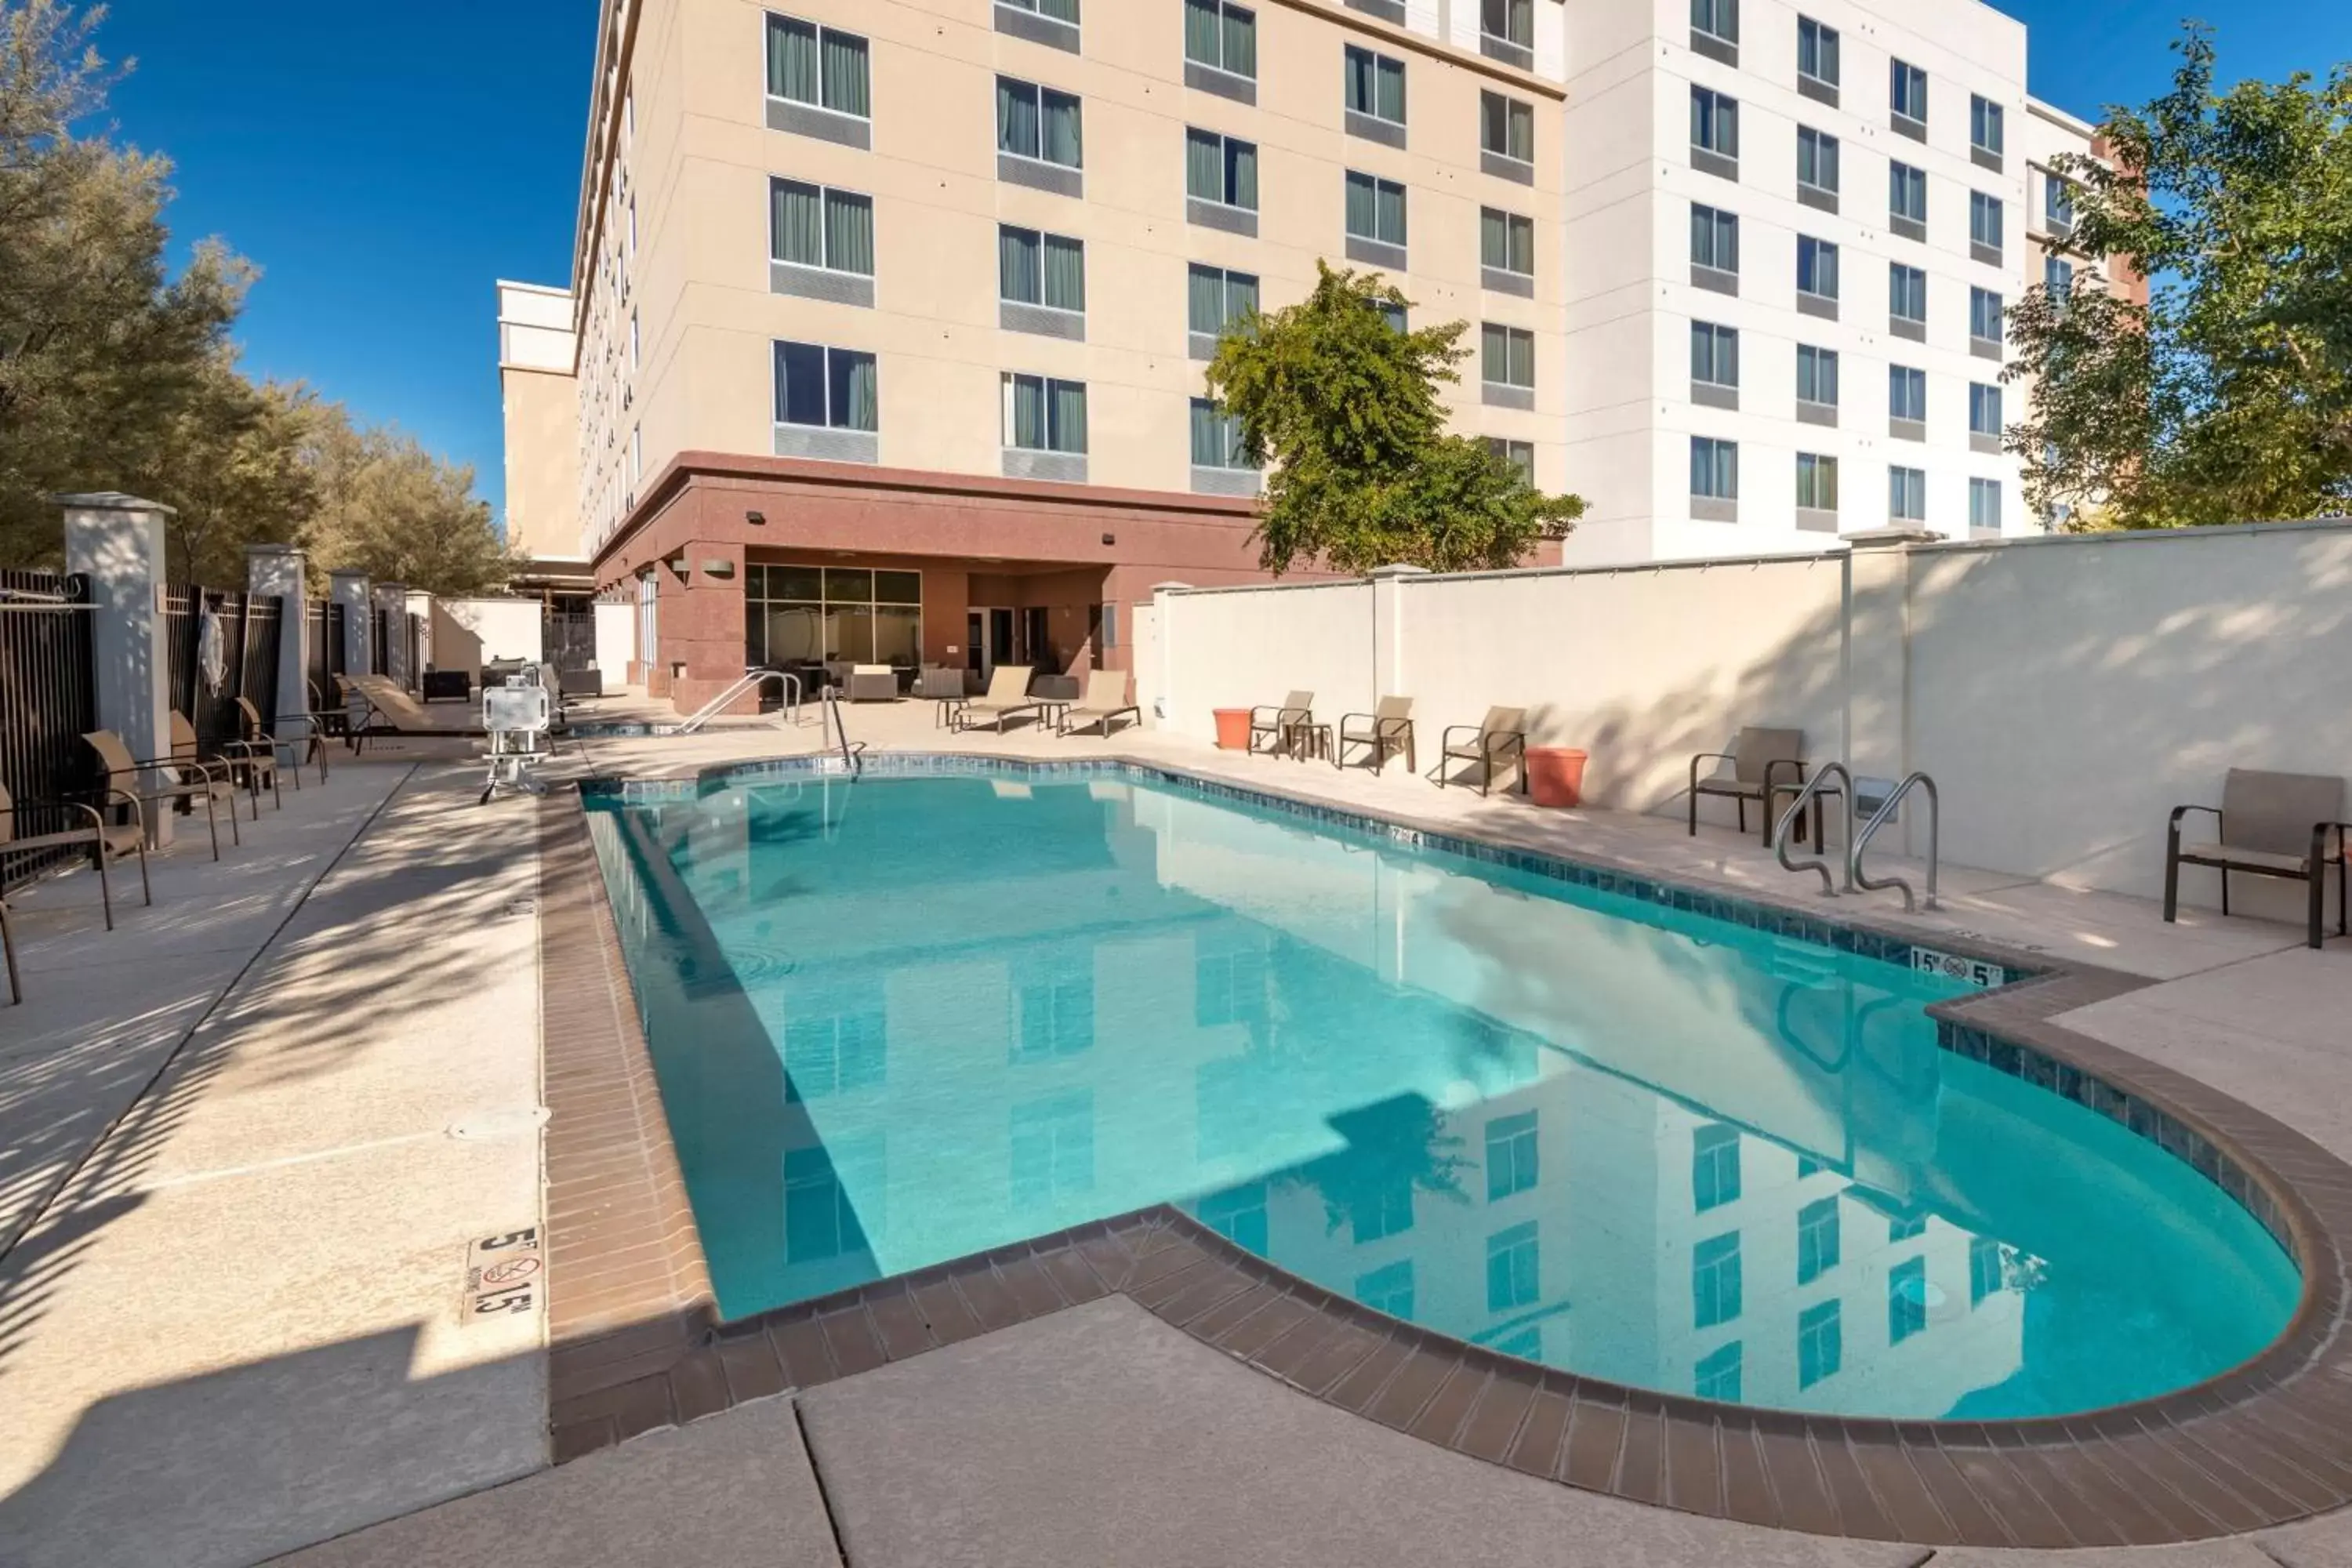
x,y
383,164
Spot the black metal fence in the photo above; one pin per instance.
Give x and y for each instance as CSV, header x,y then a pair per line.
x,y
47,703
248,628
568,639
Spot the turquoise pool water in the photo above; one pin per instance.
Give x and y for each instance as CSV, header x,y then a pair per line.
x,y
902,1020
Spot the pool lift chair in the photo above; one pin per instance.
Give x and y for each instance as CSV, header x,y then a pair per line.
x,y
518,718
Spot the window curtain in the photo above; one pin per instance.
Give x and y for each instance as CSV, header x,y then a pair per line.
x,y
1241,173
1062,140
1523,245
1241,42
1028,411
1522,363
1202,32
1494,357
1018,278
1205,167
1060,10
1358,66
1702,481
1016,118
1392,213
1389,102
1494,238
1363,206
1207,436
1206,300
855,389
798,233
1065,273
1069,415
799,384
792,60
849,233
1240,296
845,74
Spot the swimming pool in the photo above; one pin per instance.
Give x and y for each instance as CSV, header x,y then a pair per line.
x,y
902,1020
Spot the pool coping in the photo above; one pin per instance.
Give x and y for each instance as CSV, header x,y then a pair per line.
x,y
636,1342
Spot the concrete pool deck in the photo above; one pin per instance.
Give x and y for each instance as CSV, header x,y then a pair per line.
x,y
236,1335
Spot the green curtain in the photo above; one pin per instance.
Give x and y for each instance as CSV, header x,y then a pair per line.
x,y
1062,141
1523,245
1494,238
1069,415
1017,270
1389,101
849,233
1391,210
1241,296
1065,273
1241,42
857,390
1363,206
1361,69
1206,300
798,231
845,74
1523,132
1016,118
1241,172
1495,354
1060,10
1201,40
1205,167
792,60
1207,436
1028,412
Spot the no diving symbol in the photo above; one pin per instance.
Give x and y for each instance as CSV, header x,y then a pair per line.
x,y
508,1272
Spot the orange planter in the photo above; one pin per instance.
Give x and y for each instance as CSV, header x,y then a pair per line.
x,y
1233,728
1556,776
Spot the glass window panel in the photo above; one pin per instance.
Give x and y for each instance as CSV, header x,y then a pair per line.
x,y
849,632
854,390
794,634
799,384
1494,238
1204,165
1203,33
755,581
1065,273
1356,67
1069,415
797,583
1817,50
1392,213
898,635
1016,118
898,587
1363,203
796,231
845,85
1204,293
1063,142
844,584
1241,173
1389,99
1026,411
793,71
1020,267
1241,41
849,232
1241,296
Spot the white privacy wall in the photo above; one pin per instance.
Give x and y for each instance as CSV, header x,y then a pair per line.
x,y
2064,692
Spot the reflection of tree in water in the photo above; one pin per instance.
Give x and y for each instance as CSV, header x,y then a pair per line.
x,y
1394,1149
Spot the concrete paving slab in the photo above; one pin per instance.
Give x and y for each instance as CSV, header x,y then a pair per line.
x,y
735,1491
1100,1435
2196,1554
2323,1543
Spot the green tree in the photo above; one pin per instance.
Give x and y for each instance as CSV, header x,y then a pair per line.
x,y
1344,411
2227,397
384,505
231,462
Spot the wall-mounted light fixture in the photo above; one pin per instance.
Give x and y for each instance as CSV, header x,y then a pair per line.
x,y
756,518
1110,538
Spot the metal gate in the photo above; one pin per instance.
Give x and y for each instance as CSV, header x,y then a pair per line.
x,y
48,702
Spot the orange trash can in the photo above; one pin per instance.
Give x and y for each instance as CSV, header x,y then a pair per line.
x,y
1233,728
1556,776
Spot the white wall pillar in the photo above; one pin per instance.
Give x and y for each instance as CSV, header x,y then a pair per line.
x,y
117,541
392,658
1388,628
349,589
1169,702
276,571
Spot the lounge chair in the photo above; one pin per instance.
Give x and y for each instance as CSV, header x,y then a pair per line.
x,y
1007,694
1759,758
1386,731
872,683
182,783
1105,700
1501,735
257,736
236,760
1277,722
2287,826
107,842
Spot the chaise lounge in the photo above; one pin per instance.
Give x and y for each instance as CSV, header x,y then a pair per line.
x,y
1105,700
2287,826
1007,694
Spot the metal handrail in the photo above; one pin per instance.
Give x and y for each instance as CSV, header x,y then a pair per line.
x,y
1786,830
852,758
1885,813
751,680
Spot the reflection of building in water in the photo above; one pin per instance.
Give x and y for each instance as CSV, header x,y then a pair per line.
x,y
953,1030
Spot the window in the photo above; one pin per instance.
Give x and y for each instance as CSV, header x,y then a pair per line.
x,y
1984,410
1511,1155
1714,1280
1984,315
1817,52
1714,124
1986,132
1375,209
1059,10
1375,84
1507,241
1715,360
1218,300
1384,1210
634,345
1906,192
1035,268
1908,95
1041,414
1817,1223
1907,495
828,388
2058,204
1907,1229
1715,238
1821,1343
1520,455
1817,159
1717,19
1715,469
1987,1272
1508,21
1907,393
1985,220
799,612
1506,127
1221,36
1053,1149
1238,1214
1392,314
1907,293
1906,1300
637,453
1817,375
1984,505
1052,1019
1817,268
2058,276
1038,122
1513,1267
1388,1289
1718,1374
820,1222
1220,169
810,226
1817,490
1507,356
824,68
1714,1167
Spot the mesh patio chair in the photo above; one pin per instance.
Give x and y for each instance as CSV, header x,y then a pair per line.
x,y
181,783
255,734
942,687
1385,730
1759,758
245,768
2286,825
1501,736
1277,722
1105,700
107,842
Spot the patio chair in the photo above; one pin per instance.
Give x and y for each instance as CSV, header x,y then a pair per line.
x,y
2286,825
872,683
1502,734
1105,700
1759,758
941,686
182,783
1007,694
1277,722
255,734
1386,731
106,841
8,946
235,759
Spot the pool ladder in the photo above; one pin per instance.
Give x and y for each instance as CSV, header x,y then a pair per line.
x,y
1858,836
752,680
853,757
